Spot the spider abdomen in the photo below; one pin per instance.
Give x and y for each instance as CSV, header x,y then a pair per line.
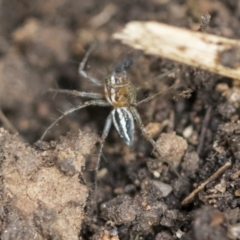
x,y
124,123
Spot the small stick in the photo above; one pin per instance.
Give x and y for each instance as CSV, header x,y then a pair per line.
x,y
192,195
198,49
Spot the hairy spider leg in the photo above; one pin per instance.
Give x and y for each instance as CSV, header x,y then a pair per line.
x,y
99,102
106,130
77,93
81,70
139,122
150,98
98,96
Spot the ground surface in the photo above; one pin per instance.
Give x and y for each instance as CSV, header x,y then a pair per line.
x,y
44,188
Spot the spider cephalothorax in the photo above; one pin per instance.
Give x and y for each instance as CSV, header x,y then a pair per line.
x,y
121,94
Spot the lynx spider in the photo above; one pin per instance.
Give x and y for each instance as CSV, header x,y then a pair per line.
x,y
121,95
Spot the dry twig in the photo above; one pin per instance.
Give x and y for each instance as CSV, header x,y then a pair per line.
x,y
213,53
192,195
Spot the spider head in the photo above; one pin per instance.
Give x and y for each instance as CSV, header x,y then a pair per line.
x,y
118,78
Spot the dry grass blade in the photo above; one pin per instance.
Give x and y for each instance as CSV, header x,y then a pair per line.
x,y
213,53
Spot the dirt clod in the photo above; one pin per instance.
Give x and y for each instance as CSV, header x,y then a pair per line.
x,y
173,147
44,201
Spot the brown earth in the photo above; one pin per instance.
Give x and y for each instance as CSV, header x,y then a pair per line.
x,y
46,187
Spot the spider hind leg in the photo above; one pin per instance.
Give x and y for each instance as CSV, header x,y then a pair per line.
x,y
150,139
106,130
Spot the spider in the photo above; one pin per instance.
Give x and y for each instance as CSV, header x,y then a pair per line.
x,y
121,95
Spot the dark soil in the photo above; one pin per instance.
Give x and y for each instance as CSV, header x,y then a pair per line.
x,y
44,185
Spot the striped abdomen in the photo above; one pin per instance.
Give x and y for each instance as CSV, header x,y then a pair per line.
x,y
124,123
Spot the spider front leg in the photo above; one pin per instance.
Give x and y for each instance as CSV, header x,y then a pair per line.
x,y
77,94
150,98
81,70
101,103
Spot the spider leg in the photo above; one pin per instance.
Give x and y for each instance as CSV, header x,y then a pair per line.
x,y
77,94
148,99
81,70
101,103
144,131
160,76
149,138
106,129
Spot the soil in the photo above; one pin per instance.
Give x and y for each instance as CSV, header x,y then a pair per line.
x,y
47,187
